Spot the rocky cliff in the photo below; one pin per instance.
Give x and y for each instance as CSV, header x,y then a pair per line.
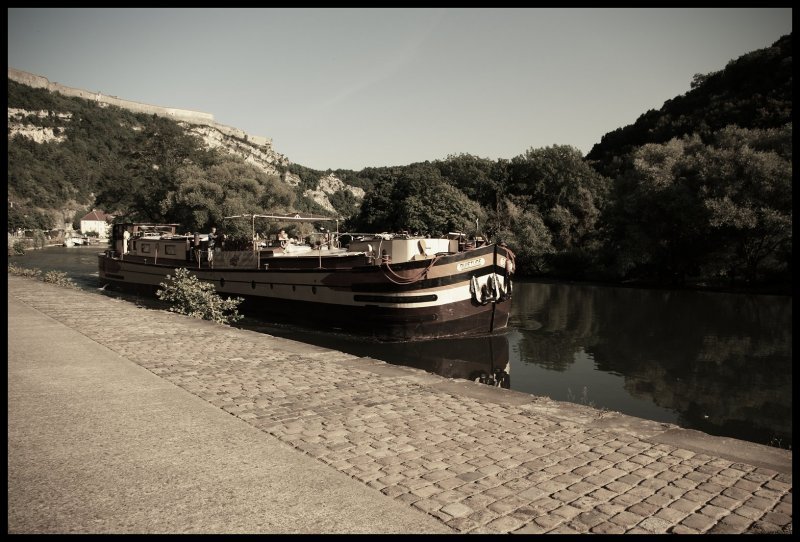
x,y
255,150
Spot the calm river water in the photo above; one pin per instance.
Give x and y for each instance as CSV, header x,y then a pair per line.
x,y
720,363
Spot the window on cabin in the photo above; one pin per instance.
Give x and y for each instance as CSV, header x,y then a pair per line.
x,y
169,250
145,248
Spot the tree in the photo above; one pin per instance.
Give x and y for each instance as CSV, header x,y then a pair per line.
x,y
749,199
527,236
27,218
344,202
420,201
376,208
202,198
656,222
568,196
472,175
686,208
565,190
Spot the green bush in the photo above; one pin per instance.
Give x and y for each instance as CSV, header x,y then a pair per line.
x,y
19,248
59,278
24,272
198,299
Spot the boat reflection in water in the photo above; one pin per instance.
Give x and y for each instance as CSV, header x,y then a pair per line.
x,y
479,359
482,358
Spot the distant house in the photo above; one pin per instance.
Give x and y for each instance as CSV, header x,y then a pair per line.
x,y
96,221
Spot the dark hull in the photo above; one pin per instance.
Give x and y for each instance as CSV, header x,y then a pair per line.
x,y
386,323
370,300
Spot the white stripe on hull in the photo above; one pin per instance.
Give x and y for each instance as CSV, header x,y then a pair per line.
x,y
291,286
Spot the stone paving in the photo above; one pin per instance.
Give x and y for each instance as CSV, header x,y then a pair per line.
x,y
480,459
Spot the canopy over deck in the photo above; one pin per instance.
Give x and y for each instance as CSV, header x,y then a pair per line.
x,y
289,218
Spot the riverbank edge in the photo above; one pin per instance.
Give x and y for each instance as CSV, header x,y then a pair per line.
x,y
641,441
729,448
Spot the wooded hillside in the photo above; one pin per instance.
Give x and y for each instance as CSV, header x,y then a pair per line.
x,y
696,193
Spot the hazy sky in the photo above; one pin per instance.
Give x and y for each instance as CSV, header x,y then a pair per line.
x,y
355,87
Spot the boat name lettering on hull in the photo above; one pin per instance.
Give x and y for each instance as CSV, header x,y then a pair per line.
x,y
477,262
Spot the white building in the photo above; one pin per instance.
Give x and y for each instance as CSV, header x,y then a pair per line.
x,y
96,221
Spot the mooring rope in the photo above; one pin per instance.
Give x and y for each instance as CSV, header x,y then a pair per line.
x,y
401,280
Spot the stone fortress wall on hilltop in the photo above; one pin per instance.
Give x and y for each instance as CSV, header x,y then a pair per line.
x,y
185,115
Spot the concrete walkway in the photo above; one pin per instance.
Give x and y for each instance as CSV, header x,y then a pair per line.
x,y
129,420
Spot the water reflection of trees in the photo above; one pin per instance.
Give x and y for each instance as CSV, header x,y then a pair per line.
x,y
555,321
720,360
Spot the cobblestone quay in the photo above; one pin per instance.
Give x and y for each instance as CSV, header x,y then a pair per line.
x,y
477,458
